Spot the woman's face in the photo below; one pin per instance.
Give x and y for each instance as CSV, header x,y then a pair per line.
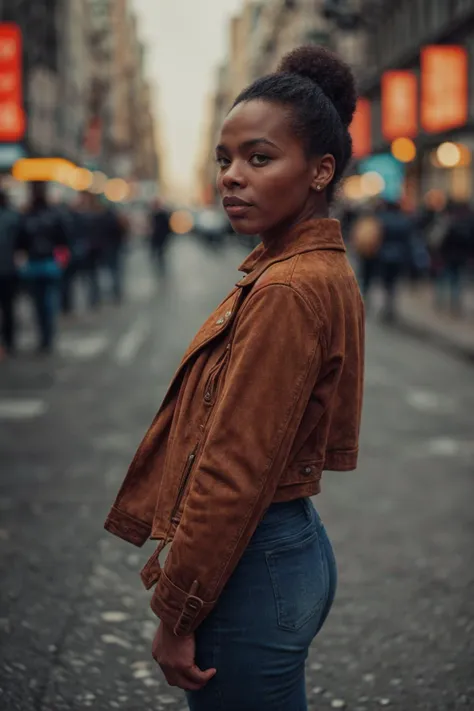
x,y
265,180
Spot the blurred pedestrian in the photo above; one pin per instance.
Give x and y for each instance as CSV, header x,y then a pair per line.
x,y
114,229
267,397
453,252
45,246
159,235
366,240
9,244
395,252
91,226
72,270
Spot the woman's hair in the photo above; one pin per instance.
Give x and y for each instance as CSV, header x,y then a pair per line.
x,y
319,89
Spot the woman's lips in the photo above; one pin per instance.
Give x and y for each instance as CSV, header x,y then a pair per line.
x,y
237,210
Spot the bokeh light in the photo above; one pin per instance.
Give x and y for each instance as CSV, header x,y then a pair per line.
x,y
99,181
116,190
404,150
372,184
352,188
448,155
181,222
81,179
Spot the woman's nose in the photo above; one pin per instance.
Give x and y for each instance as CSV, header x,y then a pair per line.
x,y
233,177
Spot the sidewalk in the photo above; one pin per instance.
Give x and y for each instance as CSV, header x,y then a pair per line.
x,y
418,317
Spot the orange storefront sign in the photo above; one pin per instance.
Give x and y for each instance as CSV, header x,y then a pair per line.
x,y
444,87
361,129
12,119
399,105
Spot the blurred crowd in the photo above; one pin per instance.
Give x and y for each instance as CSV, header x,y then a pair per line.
x,y
62,257
46,249
432,245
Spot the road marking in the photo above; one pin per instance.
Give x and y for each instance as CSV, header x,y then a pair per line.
x,y
22,409
427,401
132,341
442,447
83,347
78,346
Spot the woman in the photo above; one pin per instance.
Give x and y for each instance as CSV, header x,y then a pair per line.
x,y
267,397
44,243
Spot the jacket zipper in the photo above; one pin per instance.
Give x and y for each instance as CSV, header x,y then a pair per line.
x,y
184,481
213,377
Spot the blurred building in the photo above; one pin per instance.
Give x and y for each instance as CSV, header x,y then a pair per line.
x,y
283,25
386,43
257,39
121,134
85,94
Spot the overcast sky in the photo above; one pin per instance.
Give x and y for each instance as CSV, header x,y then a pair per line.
x,y
186,39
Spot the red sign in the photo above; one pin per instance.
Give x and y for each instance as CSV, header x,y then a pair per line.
x,y
12,118
361,129
399,105
444,87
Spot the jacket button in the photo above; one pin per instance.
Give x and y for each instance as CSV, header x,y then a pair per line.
x,y
208,396
219,322
308,470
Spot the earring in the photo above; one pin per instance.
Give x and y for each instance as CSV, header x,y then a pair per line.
x,y
319,187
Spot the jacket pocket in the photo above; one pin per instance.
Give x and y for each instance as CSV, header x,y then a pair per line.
x,y
212,382
183,483
299,580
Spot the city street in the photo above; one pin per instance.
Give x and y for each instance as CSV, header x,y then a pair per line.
x,y
75,627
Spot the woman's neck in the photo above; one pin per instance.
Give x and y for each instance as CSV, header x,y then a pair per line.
x,y
275,234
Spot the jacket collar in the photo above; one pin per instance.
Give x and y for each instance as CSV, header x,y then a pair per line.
x,y
310,236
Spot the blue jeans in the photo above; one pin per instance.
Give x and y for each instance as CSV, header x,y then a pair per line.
x,y
114,265
274,604
450,280
43,277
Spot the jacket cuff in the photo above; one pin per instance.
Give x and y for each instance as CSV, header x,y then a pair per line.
x,y
125,526
182,611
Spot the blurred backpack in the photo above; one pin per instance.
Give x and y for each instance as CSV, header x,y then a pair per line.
x,y
366,236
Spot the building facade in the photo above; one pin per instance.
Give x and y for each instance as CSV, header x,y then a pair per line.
x,y
393,39
258,37
85,92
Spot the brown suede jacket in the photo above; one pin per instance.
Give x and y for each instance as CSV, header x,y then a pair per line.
x,y
268,395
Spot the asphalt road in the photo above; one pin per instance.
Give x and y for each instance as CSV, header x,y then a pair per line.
x,y
75,626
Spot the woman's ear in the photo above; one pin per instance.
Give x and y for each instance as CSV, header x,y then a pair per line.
x,y
323,174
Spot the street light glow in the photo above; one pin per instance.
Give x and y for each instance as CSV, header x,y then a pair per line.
x,y
372,184
448,155
403,149
116,190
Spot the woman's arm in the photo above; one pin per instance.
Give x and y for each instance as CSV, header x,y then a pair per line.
x,y
274,362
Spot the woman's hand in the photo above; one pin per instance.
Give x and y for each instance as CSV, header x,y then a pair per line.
x,y
175,655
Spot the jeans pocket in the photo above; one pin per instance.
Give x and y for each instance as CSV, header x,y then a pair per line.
x,y
299,580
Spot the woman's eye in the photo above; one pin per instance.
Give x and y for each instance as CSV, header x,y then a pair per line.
x,y
258,159
222,162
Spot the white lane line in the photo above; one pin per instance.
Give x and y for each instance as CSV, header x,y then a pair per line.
x,y
429,401
442,448
83,347
132,341
22,409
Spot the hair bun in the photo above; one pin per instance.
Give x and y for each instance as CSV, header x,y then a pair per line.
x,y
329,72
